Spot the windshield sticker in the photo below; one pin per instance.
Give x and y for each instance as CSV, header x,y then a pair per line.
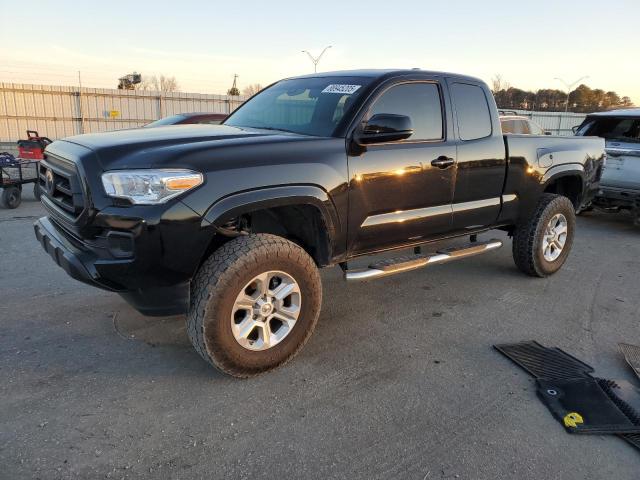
x,y
343,89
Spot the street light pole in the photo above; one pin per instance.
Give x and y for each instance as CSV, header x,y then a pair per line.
x,y
316,60
569,87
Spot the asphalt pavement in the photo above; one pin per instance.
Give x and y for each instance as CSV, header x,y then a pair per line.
x,y
398,381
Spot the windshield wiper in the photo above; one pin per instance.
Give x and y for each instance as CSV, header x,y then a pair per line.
x,y
273,128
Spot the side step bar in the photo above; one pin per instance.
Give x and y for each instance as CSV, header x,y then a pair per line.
x,y
392,266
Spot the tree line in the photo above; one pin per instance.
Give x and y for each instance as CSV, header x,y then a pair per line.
x,y
582,99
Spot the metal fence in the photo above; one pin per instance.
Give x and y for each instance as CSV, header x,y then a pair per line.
x,y
58,112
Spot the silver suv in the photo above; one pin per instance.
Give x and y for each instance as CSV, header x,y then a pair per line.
x,y
620,183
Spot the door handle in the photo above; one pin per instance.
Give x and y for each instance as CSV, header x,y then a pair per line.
x,y
442,162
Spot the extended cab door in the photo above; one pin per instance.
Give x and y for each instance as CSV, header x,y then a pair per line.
x,y
400,192
481,157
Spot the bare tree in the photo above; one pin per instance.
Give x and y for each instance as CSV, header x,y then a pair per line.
x,y
498,83
158,84
251,89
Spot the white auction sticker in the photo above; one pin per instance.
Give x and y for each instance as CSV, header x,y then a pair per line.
x,y
343,89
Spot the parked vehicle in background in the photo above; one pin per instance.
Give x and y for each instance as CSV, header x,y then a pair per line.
x,y
517,124
230,224
189,118
620,183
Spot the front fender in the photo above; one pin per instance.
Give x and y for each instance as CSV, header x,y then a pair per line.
x,y
244,202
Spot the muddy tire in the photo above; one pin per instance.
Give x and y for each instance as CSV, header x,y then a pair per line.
x,y
542,244
254,304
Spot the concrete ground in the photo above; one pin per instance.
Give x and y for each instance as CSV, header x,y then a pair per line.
x,y
398,381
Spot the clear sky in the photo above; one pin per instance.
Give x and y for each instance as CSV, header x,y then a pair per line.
x,y
203,43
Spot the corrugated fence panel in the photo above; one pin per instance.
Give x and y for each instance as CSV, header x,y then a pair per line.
x,y
58,112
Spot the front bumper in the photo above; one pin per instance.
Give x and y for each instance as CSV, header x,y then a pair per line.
x,y
149,292
77,263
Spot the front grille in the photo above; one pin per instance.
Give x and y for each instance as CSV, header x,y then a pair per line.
x,y
61,188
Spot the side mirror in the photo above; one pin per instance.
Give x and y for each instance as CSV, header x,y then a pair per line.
x,y
575,129
384,127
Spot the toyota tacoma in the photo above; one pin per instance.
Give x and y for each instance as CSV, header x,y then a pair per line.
x,y
229,224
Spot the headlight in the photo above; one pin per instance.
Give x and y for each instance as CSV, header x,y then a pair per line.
x,y
149,187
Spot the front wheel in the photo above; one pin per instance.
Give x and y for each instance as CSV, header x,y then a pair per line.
x,y
542,244
254,304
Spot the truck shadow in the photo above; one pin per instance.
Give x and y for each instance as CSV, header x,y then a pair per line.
x,y
621,221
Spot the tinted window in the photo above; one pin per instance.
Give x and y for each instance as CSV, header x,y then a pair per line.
x,y
474,117
418,101
626,129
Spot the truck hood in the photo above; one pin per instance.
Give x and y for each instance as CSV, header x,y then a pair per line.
x,y
170,146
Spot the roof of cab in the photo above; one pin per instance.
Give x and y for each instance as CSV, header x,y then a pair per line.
x,y
379,73
622,112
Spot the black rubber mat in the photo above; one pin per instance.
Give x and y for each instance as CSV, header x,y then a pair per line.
x,y
543,362
592,405
632,356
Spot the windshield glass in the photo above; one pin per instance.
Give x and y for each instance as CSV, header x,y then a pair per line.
x,y
309,106
624,129
173,119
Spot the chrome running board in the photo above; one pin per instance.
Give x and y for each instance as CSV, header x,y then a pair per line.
x,y
392,266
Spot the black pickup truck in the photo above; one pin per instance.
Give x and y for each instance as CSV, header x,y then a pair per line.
x,y
229,224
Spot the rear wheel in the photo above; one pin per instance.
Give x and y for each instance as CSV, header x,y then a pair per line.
x,y
254,304
11,197
542,244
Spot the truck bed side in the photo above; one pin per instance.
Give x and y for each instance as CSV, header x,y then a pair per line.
x,y
568,165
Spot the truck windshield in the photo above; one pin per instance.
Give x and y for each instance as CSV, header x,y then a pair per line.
x,y
309,106
624,129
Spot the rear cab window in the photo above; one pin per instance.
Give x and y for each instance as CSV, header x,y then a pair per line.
x,y
472,111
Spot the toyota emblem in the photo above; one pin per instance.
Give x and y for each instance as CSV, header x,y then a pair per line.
x,y
49,183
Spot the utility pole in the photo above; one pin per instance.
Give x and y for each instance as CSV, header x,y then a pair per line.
x,y
569,87
316,60
234,91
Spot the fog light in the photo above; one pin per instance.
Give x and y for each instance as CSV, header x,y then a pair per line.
x,y
120,244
